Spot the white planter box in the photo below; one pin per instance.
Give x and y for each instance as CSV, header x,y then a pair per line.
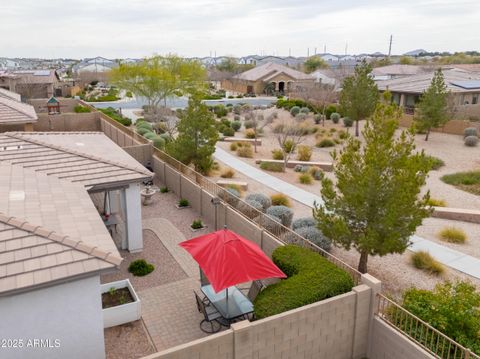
x,y
124,313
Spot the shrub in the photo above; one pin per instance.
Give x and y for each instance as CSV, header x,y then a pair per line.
x,y
236,125
314,235
166,137
250,133
233,146
271,166
342,135
279,199
144,124
289,146
264,200
424,261
301,168
143,130
236,118
237,109
248,124
228,131
300,117
471,141
467,181
164,189
158,142
150,135
283,212
227,173
277,154
317,118
183,202
245,151
434,202
330,109
197,224
326,142
231,195
305,178
304,222
140,268
435,162
305,110
295,110
278,128
311,278
316,173
304,153
81,109
347,122
470,131
112,113
335,117
220,111
272,223
247,210
452,235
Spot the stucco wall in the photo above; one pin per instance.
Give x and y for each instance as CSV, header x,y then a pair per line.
x,y
70,312
66,104
68,122
454,127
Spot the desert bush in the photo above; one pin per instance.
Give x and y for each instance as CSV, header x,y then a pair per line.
x,y
250,133
150,135
305,178
283,212
248,124
424,261
220,111
295,110
435,162
236,125
272,224
347,122
158,142
228,131
300,117
271,166
304,153
289,146
471,141
301,168
453,235
279,199
164,189
342,135
330,109
227,173
304,222
470,131
305,110
326,142
317,118
335,117
316,173
236,118
183,202
314,235
197,224
140,268
277,154
278,128
245,151
250,208
81,109
233,146
142,130
237,109
264,200
435,202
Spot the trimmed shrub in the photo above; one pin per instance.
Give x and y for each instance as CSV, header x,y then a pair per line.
x,y
264,200
81,109
236,125
301,168
318,118
236,118
142,130
311,278
233,146
277,154
237,109
220,111
247,210
272,223
228,131
347,122
424,261
271,166
295,110
434,202
470,131
326,142
140,268
227,173
248,124
453,235
197,224
330,109
166,137
279,199
305,178
245,151
303,222
250,133
471,141
314,235
150,135
289,146
335,117
144,124
283,212
435,162
158,142
301,117
304,153
316,173
183,202
305,110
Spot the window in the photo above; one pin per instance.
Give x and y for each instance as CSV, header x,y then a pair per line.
x,y
474,99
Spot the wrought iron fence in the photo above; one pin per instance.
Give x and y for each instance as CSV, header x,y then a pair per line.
x,y
420,332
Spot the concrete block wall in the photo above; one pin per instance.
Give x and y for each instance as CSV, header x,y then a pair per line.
x,y
68,122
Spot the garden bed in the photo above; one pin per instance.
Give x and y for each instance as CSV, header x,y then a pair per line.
x,y
120,308
116,297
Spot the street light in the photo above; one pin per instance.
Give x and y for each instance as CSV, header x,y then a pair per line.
x,y
216,201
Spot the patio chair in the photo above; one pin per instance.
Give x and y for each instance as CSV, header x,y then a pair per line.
x,y
211,316
256,287
203,278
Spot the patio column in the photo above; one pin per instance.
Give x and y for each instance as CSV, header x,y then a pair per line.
x,y
133,211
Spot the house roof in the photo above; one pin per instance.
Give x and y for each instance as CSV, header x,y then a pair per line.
x,y
10,95
36,76
270,70
100,164
401,70
417,84
15,112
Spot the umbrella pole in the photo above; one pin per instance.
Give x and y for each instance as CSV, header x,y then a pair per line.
x,y
227,301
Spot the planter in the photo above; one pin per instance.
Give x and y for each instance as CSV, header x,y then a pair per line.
x,y
197,229
123,313
182,207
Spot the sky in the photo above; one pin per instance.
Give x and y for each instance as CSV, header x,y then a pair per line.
x,y
139,28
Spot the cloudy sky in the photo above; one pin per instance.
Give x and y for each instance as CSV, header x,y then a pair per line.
x,y
137,28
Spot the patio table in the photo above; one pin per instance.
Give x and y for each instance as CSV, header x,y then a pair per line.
x,y
238,304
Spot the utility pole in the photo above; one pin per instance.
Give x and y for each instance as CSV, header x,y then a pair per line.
x,y
346,48
390,46
308,52
315,51
325,48
289,52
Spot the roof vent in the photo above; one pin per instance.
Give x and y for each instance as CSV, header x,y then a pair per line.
x,y
11,148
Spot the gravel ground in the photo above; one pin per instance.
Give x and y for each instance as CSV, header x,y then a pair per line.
x,y
127,341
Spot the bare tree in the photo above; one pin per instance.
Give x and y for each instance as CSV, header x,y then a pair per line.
x,y
319,95
259,122
289,134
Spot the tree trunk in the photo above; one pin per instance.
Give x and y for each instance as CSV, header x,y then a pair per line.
x,y
428,133
357,133
362,264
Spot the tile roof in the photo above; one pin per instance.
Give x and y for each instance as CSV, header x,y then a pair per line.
x,y
34,151
270,70
11,95
15,112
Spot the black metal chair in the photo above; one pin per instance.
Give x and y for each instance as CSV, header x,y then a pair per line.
x,y
204,281
211,316
256,287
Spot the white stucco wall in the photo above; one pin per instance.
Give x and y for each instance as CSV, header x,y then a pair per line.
x,y
70,312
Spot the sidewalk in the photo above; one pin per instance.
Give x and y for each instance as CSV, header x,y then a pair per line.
x,y
450,257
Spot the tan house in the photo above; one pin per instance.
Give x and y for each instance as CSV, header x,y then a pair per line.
x,y
268,78
15,112
31,84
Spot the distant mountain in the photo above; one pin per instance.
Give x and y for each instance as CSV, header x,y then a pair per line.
x,y
414,52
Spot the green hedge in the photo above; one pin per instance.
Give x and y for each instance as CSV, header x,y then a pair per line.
x,y
311,278
111,112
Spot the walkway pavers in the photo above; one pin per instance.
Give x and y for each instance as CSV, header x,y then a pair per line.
x,y
450,257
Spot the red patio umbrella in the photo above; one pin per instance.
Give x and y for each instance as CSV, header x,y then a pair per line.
x,y
228,259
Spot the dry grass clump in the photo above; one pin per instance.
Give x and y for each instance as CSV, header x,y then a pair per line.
x,y
435,202
305,178
424,261
304,153
227,173
279,199
245,150
452,235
